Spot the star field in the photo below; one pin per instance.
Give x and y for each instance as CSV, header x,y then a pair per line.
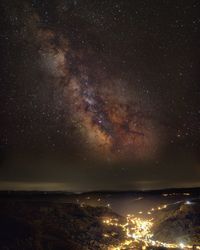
x,y
105,86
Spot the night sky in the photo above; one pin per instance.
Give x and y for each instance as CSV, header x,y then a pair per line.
x,y
99,94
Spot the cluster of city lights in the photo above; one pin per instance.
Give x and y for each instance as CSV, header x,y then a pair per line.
x,y
175,194
138,229
138,233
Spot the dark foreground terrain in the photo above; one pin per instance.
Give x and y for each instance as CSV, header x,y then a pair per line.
x,y
39,221
33,225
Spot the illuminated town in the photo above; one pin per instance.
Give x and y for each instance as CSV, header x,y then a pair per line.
x,y
139,234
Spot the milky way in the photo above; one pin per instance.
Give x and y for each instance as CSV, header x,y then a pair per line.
x,y
110,121
99,92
